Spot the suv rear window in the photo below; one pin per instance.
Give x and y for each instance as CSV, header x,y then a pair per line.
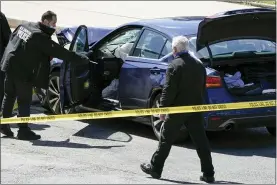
x,y
228,48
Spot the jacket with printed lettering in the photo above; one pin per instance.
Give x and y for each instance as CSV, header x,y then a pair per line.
x,y
28,53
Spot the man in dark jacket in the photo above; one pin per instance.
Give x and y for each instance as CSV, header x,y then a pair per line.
x,y
5,33
185,86
26,62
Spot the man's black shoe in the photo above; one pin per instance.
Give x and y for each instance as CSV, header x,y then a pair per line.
x,y
148,169
27,134
6,130
208,179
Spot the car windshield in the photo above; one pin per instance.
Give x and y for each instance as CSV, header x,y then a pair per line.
x,y
229,48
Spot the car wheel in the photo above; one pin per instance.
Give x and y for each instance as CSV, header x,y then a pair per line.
x,y
41,95
53,94
271,130
157,124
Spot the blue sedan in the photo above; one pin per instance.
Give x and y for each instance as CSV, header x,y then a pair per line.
x,y
237,47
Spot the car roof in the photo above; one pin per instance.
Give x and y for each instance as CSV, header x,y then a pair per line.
x,y
187,25
172,26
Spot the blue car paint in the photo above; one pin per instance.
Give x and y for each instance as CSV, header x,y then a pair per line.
x,y
135,73
136,83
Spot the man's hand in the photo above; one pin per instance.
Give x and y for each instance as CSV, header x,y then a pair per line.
x,y
162,117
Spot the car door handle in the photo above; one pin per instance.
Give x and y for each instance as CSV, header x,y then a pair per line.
x,y
155,70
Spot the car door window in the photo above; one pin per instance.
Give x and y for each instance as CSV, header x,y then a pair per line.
x,y
167,49
150,45
121,42
80,44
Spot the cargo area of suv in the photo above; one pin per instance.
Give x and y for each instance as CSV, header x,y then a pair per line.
x,y
242,49
249,78
239,52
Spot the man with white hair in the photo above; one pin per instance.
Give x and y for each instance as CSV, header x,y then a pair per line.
x,y
185,86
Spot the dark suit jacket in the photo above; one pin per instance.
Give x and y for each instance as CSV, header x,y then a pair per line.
x,y
185,82
5,33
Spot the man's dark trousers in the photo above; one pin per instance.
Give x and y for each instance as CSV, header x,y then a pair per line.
x,y
195,125
22,90
2,79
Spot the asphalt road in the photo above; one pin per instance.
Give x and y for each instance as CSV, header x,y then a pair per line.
x,y
110,151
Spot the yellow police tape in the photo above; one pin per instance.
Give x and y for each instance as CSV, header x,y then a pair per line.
x,y
141,112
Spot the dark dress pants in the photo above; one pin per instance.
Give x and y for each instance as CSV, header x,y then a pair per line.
x,y
15,88
2,79
194,123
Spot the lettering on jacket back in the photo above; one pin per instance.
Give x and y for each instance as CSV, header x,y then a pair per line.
x,y
23,34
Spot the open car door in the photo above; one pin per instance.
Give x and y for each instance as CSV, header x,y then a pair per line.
x,y
75,85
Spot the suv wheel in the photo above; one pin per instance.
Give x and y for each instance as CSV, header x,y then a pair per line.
x,y
157,124
53,94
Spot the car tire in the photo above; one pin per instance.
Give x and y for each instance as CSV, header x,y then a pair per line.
x,y
53,95
41,95
157,124
271,130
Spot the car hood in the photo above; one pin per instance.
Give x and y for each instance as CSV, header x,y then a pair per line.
x,y
261,25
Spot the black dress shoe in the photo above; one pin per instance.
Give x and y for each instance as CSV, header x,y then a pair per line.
x,y
207,179
6,130
148,169
27,134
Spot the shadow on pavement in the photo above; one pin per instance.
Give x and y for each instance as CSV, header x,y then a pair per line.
x,y
68,144
175,181
226,182
184,182
245,142
114,130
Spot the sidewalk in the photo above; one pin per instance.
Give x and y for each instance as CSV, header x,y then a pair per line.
x,y
109,13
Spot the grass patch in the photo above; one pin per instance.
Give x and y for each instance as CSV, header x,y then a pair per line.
x,y
247,2
266,2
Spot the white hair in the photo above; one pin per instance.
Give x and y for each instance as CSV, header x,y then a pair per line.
x,y
181,43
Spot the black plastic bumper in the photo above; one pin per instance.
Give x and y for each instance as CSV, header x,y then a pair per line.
x,y
241,121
